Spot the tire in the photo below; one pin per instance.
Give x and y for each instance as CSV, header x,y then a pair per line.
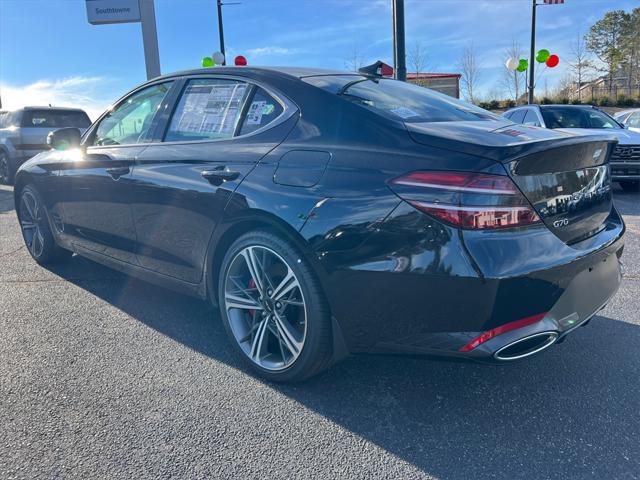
x,y
630,185
6,169
271,338
36,229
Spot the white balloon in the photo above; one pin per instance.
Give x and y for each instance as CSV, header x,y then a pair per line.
x,y
512,63
218,58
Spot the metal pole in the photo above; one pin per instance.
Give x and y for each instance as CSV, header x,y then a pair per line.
x,y
532,59
149,38
399,55
221,30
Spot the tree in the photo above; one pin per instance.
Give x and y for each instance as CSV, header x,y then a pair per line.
x,y
470,67
355,61
631,47
605,40
417,58
512,80
580,63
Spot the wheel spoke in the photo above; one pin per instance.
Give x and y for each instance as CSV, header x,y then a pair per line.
x,y
287,337
258,341
287,284
29,208
37,243
254,271
26,225
234,301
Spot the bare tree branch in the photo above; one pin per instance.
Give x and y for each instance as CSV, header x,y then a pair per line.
x,y
470,67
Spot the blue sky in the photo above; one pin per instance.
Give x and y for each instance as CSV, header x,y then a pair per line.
x,y
49,53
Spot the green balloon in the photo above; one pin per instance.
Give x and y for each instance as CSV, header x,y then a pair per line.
x,y
543,55
207,62
523,65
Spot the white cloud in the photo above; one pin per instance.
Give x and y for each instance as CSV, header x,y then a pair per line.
x,y
79,92
265,51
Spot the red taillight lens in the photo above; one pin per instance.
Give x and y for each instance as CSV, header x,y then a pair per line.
x,y
507,327
466,200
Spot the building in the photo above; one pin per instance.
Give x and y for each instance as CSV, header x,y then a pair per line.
x,y
447,83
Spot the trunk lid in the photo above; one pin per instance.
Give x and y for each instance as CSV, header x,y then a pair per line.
x,y
563,175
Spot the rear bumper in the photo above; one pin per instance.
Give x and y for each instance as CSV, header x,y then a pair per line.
x,y
433,295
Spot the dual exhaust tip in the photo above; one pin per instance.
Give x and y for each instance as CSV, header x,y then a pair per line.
x,y
526,346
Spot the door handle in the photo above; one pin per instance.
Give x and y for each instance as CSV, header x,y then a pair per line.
x,y
117,172
220,174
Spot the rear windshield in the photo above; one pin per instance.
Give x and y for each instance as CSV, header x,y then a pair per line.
x,y
55,119
405,101
569,117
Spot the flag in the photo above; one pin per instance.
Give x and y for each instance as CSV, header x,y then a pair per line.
x,y
553,2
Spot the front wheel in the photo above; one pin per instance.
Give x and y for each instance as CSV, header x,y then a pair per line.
x,y
36,230
630,185
273,308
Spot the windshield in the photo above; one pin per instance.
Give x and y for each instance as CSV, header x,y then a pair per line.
x,y
569,117
55,119
407,102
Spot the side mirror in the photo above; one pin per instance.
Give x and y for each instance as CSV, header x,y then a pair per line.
x,y
64,138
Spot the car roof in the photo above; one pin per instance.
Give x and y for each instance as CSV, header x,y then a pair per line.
x,y
48,107
297,72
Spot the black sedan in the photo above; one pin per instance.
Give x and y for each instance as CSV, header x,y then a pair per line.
x,y
327,213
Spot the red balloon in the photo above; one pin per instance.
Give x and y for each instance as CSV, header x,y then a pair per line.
x,y
240,61
553,61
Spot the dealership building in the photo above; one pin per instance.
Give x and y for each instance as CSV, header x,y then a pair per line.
x,y
447,83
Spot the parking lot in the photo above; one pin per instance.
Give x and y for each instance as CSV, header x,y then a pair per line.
x,y
102,376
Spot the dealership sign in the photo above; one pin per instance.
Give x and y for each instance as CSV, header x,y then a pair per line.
x,y
112,11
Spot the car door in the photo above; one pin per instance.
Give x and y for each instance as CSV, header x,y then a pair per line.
x,y
96,183
218,131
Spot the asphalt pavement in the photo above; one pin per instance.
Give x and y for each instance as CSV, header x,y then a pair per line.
x,y
102,376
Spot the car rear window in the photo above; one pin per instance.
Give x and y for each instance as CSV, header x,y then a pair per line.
x,y
402,100
55,119
573,117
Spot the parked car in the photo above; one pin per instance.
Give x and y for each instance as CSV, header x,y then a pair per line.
x,y
629,118
326,213
625,161
23,133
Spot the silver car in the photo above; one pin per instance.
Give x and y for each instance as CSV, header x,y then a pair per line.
x,y
586,119
23,133
630,119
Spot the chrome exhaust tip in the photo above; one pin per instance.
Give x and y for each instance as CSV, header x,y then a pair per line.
x,y
526,346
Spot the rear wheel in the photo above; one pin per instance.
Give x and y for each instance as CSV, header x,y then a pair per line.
x,y
6,170
36,229
273,308
630,185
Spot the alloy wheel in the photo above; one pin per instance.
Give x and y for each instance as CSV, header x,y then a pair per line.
x,y
265,307
31,218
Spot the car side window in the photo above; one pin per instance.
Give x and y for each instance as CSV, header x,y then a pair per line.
x,y
518,116
262,110
3,119
531,118
131,120
209,109
634,120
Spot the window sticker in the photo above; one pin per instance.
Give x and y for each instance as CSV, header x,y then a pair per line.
x,y
404,112
211,108
256,110
268,109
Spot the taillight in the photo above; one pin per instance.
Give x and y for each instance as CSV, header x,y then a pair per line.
x,y
466,200
507,327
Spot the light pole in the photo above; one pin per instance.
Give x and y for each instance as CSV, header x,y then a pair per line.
x,y
532,59
399,55
221,28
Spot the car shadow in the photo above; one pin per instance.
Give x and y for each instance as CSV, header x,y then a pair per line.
x,y
570,412
627,203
